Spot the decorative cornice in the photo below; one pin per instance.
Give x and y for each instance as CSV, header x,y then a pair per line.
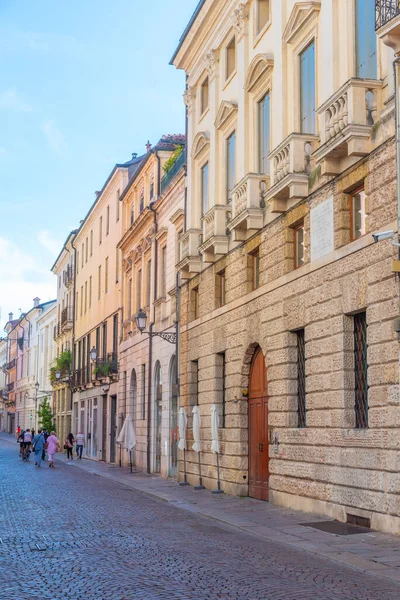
x,y
260,67
301,13
225,111
200,142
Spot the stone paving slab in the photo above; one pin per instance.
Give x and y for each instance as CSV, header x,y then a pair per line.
x,y
371,552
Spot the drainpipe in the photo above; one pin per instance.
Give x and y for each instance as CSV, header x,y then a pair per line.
x,y
186,161
397,128
73,322
149,378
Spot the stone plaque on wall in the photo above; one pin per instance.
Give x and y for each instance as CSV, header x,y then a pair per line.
x,y
321,229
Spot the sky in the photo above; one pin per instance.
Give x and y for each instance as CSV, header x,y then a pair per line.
x,y
83,85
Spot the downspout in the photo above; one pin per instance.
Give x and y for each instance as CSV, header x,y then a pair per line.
x,y
74,320
186,160
149,377
397,127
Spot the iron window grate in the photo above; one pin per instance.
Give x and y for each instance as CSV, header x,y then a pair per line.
x,y
361,370
301,379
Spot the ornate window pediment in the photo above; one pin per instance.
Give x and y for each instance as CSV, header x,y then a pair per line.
x,y
301,13
260,67
200,142
225,111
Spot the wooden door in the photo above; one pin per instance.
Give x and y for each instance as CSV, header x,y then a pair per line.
x,y
258,428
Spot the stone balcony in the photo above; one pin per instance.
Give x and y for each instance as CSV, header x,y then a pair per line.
x,y
215,241
346,122
248,206
387,23
291,165
189,256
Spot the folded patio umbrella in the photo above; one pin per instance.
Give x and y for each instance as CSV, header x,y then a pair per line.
x,y
182,423
196,429
127,436
214,429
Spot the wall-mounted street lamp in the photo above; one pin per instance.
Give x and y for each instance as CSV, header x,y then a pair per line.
x,y
93,354
141,320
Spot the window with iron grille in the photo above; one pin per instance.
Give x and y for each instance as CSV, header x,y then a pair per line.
x,y
301,379
360,370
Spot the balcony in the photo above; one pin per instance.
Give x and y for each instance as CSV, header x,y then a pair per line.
x,y
387,23
346,122
56,331
215,240
11,365
189,257
173,171
106,367
247,206
68,276
291,165
3,394
10,386
67,318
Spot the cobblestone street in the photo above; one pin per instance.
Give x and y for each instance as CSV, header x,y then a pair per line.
x,y
67,534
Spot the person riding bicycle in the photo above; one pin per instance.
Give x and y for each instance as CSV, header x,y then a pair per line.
x,y
20,440
27,444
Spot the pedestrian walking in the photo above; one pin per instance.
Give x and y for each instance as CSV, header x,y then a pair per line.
x,y
38,445
20,440
52,446
18,432
26,450
69,445
80,444
45,435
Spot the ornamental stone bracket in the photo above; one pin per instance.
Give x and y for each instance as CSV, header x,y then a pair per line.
x,y
189,99
211,63
240,19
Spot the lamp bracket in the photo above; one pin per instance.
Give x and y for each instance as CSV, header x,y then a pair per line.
x,y
168,337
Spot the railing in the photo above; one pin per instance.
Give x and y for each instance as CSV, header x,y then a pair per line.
x,y
3,394
215,221
57,331
292,156
385,11
174,170
105,367
10,386
11,365
68,275
248,192
66,315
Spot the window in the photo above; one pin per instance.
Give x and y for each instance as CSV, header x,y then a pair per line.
x,y
98,340
106,277
299,246
83,255
221,376
262,14
307,89
59,281
116,265
230,165
91,242
163,280
139,289
361,370
141,205
264,133
204,96
301,379
76,304
115,335
230,58
77,262
221,283
117,206
104,341
358,214
148,283
194,384
366,63
90,291
151,191
130,298
143,390
99,284
100,230
108,220
132,213
81,300
85,297
195,303
204,189
255,269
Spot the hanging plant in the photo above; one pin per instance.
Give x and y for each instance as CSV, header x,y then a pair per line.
x,y
172,159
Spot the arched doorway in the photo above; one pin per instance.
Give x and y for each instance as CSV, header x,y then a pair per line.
x,y
157,416
173,420
258,428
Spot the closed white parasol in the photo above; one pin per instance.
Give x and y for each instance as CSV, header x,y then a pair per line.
x,y
196,429
127,436
182,429
214,429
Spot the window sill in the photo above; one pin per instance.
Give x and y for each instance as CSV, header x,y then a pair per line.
x,y
229,79
204,114
261,33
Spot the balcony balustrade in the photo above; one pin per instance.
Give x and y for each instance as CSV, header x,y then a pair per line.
x,y
10,386
67,317
215,239
68,276
11,364
106,367
292,163
387,22
247,205
346,122
189,257
173,171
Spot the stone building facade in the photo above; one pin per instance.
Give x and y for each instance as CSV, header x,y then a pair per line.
x,y
152,206
288,305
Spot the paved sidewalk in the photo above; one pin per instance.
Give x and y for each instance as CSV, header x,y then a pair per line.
x,y
373,552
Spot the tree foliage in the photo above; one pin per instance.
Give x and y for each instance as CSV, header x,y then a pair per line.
x,y
46,416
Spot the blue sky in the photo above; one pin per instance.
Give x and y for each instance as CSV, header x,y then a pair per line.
x,y
83,84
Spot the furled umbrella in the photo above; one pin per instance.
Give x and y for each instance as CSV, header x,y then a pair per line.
x,y
215,443
127,437
196,445
182,424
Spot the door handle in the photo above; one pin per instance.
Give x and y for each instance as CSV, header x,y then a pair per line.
x,y
261,447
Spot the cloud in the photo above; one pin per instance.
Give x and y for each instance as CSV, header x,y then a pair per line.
x,y
48,242
22,279
9,100
54,136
